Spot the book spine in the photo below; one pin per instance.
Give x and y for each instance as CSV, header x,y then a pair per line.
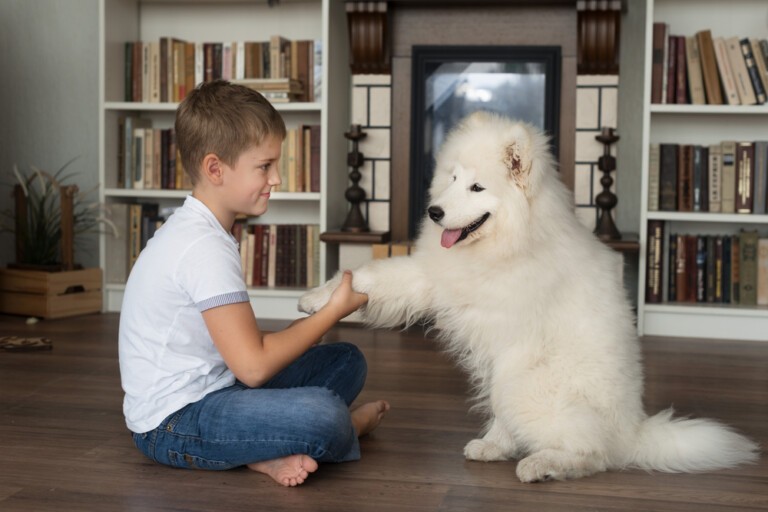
x,y
745,163
709,68
762,272
668,177
681,75
653,289
726,73
728,189
671,70
685,178
748,241
714,169
761,178
752,70
695,78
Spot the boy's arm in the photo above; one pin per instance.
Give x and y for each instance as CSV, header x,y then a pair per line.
x,y
255,357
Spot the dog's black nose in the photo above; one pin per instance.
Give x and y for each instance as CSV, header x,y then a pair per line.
x,y
435,213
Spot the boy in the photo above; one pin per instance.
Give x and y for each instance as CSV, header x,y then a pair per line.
x,y
204,387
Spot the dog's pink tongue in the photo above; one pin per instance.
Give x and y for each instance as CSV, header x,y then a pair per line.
x,y
449,237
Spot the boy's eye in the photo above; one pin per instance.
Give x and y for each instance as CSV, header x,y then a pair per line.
x,y
476,188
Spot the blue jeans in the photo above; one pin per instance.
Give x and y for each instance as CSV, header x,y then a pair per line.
x,y
304,409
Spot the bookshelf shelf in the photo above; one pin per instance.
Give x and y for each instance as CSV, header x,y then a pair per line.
x,y
710,109
724,218
698,125
322,21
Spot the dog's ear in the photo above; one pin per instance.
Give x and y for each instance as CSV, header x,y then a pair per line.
x,y
517,157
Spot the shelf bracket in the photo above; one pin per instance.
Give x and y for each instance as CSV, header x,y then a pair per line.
x,y
369,38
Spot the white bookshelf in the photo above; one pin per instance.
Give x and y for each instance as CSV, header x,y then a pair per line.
x,y
215,21
700,124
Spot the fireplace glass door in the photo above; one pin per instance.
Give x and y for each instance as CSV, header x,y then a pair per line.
x,y
450,82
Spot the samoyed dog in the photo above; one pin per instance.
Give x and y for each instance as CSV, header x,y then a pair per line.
x,y
532,305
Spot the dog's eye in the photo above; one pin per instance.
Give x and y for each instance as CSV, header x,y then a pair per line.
x,y
476,188
454,177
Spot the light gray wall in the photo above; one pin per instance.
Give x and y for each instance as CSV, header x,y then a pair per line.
x,y
49,97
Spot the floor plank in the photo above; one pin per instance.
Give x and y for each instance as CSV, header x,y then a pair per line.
x,y
64,445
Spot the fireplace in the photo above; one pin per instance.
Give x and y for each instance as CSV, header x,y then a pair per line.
x,y
384,33
450,82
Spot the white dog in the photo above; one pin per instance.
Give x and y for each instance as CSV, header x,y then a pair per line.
x,y
532,305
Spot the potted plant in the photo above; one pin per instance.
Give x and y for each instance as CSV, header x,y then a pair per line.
x,y
48,215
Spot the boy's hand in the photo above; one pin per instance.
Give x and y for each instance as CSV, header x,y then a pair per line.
x,y
344,299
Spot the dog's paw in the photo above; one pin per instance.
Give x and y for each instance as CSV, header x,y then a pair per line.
x,y
537,468
480,449
314,299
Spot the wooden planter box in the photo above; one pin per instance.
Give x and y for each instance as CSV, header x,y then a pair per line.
x,y
50,294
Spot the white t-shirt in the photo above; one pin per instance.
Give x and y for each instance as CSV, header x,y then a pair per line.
x,y
167,357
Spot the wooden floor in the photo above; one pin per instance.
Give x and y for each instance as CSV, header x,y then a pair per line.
x,y
64,446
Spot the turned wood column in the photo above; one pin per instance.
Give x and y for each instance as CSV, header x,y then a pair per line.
x,y
369,38
598,37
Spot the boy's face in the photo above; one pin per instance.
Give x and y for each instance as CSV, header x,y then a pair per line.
x,y
249,183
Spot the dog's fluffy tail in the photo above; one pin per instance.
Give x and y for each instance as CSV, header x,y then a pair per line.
x,y
680,445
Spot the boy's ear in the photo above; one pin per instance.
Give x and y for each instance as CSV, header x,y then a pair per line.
x,y
212,168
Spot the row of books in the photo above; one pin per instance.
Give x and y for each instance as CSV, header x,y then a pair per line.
x,y
279,255
136,223
706,70
283,255
167,69
728,177
723,269
148,158
300,160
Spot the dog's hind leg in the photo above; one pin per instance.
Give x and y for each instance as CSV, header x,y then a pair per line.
x,y
496,444
551,464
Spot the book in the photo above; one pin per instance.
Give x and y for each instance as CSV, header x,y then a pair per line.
x,y
655,257
728,189
726,272
748,268
718,270
671,71
681,269
669,269
740,73
709,70
727,77
760,62
699,182
753,72
705,269
745,164
653,177
681,73
762,272
685,178
714,177
658,63
693,65
668,177
735,268
760,204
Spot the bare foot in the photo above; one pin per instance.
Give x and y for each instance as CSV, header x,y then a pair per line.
x,y
288,471
367,417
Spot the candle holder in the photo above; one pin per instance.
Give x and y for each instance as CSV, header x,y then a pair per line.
x,y
606,200
355,222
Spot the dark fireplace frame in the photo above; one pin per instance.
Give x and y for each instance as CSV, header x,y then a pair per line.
x,y
425,58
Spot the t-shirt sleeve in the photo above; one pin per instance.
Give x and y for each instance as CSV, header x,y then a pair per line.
x,y
211,274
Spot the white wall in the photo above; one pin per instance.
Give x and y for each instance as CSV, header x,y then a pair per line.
x,y
49,94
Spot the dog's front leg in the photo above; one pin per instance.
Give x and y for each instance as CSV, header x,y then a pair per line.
x,y
397,289
496,444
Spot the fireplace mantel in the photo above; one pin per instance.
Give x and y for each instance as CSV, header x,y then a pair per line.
x,y
382,34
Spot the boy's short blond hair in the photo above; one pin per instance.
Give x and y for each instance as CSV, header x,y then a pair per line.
x,y
224,119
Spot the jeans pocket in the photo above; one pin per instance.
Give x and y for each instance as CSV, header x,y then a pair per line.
x,y
187,461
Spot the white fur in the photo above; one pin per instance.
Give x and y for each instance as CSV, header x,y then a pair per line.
x,y
532,306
